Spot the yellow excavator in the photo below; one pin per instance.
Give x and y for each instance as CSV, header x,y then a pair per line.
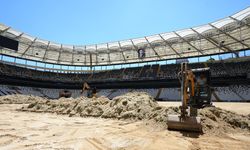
x,y
195,94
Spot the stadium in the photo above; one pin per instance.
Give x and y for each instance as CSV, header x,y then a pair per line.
x,y
135,72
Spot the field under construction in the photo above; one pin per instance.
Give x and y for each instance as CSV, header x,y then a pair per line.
x,y
133,121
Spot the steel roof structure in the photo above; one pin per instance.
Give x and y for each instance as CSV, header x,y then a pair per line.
x,y
226,35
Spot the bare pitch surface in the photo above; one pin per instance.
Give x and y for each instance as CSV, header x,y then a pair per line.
x,y
27,130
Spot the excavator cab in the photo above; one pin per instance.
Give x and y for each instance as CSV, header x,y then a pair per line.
x,y
202,90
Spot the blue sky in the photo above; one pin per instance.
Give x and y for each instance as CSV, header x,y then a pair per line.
x,y
83,22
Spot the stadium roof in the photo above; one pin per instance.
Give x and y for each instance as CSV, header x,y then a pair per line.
x,y
226,35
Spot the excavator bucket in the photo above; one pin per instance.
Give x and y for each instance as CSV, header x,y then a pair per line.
x,y
191,124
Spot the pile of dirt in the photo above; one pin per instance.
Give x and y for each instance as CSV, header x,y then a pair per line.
x,y
217,120
19,99
135,106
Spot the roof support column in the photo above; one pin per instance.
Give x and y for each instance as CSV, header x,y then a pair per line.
x,y
121,51
212,41
96,60
151,46
108,53
189,43
90,59
28,47
59,56
19,36
85,55
241,22
73,52
167,44
229,35
46,51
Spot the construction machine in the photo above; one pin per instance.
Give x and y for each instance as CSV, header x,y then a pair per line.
x,y
65,93
91,92
195,94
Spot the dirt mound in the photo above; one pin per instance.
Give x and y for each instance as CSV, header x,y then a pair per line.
x,y
19,99
218,120
136,106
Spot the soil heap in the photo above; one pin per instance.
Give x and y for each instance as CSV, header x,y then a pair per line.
x,y
135,106
131,106
19,99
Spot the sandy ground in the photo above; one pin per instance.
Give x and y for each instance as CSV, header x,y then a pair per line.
x,y
27,130
240,108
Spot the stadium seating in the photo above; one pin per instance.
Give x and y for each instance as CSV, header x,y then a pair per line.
x,y
218,69
153,72
172,94
228,93
225,93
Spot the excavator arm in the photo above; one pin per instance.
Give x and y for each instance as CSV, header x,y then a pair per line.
x,y
187,120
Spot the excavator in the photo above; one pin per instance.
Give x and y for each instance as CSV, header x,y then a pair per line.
x,y
91,92
195,94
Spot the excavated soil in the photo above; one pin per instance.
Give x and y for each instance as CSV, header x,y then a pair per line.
x,y
19,99
217,120
131,106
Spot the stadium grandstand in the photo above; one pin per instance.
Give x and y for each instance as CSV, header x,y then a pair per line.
x,y
33,66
